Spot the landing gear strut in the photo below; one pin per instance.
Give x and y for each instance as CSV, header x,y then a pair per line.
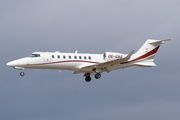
x,y
88,78
21,73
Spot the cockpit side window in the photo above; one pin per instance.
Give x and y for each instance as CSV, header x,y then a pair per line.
x,y
34,55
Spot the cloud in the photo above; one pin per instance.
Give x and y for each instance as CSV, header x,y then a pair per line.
x,y
93,27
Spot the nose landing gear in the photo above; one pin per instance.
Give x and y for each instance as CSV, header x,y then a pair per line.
x,y
22,73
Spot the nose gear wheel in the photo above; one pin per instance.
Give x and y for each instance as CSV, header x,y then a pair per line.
x,y
22,74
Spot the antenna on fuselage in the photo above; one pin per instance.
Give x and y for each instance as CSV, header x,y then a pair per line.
x,y
76,51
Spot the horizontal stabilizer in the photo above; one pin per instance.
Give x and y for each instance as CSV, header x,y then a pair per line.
x,y
157,41
146,63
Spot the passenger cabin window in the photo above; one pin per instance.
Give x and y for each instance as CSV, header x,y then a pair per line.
x,y
85,57
58,56
79,57
34,55
69,57
75,57
64,57
90,57
52,56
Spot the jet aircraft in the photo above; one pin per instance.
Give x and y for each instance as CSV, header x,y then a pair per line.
x,y
90,64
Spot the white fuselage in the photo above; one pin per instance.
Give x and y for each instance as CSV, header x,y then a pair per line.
x,y
90,64
61,61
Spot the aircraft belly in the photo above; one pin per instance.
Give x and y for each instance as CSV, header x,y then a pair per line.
x,y
68,66
64,66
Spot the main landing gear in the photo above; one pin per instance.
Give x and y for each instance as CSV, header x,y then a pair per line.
x,y
97,75
88,77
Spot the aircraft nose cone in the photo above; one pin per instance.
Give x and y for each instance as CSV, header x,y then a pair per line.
x,y
17,63
10,64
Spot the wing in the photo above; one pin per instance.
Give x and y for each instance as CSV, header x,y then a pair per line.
x,y
103,66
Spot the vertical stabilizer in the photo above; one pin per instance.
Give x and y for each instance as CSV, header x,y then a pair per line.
x,y
149,49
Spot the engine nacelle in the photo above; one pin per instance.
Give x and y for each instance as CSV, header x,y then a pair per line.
x,y
112,55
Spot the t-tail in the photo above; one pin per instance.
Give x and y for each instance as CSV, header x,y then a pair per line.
x,y
144,57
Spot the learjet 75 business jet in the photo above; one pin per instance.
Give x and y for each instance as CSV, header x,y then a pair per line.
x,y
90,64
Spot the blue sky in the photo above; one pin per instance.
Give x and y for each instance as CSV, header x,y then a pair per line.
x,y
89,27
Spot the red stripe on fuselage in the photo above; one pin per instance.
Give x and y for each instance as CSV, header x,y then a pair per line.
x,y
65,62
143,56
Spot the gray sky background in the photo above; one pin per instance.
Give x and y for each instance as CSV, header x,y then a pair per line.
x,y
89,26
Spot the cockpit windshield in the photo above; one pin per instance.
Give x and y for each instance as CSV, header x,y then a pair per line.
x,y
34,55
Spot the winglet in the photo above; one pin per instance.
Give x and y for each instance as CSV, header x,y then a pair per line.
x,y
127,57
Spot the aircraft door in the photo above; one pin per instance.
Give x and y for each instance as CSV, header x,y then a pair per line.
x,y
47,57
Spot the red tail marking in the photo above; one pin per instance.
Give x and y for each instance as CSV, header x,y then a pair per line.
x,y
144,56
